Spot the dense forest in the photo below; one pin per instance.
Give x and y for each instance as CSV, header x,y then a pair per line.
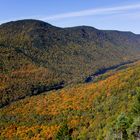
x,y
36,57
106,109
77,83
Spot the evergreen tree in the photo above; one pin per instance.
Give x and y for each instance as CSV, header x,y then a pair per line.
x,y
135,128
122,125
136,106
64,133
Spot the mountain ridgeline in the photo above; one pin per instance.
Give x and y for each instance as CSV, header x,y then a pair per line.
x,y
36,56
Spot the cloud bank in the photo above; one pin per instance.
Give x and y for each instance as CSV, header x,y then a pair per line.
x,y
96,11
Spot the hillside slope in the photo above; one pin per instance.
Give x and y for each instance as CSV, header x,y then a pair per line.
x,y
36,56
90,110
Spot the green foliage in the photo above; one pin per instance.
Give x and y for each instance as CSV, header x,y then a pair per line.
x,y
64,133
136,106
30,133
122,124
134,130
128,127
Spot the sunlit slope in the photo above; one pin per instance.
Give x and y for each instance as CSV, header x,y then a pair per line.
x,y
89,109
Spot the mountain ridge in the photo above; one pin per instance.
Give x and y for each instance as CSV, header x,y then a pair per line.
x,y
44,22
35,54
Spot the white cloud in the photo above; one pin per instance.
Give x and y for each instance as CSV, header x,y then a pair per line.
x,y
121,11
97,11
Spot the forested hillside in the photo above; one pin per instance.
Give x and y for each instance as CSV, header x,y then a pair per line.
x,y
106,109
36,56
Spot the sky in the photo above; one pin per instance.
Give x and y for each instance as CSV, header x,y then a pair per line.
x,y
121,15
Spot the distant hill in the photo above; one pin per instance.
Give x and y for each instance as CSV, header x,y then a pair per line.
x,y
36,56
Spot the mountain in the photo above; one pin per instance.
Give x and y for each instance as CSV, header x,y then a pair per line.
x,y
103,110
36,56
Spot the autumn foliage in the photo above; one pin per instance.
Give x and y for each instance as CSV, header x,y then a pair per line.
x,y
89,109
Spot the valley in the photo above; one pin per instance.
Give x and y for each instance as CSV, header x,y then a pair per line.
x,y
35,54
77,83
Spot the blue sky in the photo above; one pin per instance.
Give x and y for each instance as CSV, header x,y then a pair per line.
x,y
103,14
